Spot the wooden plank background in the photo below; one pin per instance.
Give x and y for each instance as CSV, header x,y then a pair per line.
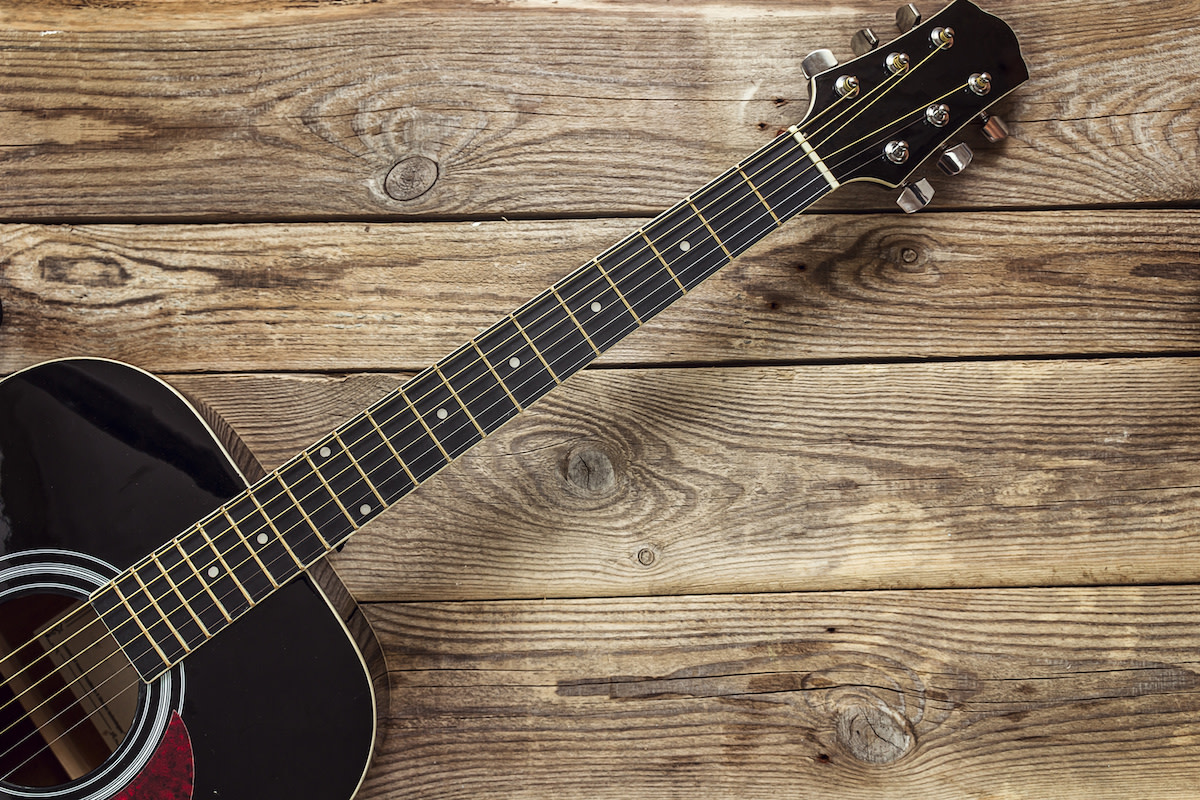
x,y
892,507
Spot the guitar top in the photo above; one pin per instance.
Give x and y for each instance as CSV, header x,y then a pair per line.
x,y
169,627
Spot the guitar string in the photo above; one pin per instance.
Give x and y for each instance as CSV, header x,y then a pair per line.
x,y
113,675
882,88
593,283
517,337
350,455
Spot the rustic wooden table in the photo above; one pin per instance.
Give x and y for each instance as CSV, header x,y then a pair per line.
x,y
893,507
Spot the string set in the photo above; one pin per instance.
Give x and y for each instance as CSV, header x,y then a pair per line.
x,y
814,177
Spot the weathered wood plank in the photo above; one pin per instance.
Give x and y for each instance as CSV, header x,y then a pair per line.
x,y
526,107
1071,693
647,482
366,297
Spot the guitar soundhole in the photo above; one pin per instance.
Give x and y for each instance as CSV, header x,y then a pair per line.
x,y
69,695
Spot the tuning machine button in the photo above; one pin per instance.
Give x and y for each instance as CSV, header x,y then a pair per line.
x,y
864,42
907,17
955,159
994,129
915,196
818,61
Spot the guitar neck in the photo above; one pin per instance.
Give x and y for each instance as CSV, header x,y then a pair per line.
x,y
238,555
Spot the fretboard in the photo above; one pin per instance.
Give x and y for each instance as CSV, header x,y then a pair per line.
x,y
181,595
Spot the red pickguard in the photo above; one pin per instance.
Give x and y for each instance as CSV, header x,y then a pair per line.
x,y
168,775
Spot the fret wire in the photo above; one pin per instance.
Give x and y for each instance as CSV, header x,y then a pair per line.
x,y
158,608
424,424
245,541
499,380
666,266
357,466
536,351
534,348
332,493
220,557
570,314
179,594
137,620
619,293
758,194
515,404
271,524
711,232
437,370
204,583
388,442
300,508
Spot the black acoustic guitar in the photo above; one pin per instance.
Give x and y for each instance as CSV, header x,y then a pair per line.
x,y
135,532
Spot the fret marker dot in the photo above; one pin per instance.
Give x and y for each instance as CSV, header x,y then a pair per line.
x,y
326,452
595,308
364,509
685,245
262,538
514,362
214,572
442,413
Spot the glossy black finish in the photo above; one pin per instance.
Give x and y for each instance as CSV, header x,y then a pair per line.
x,y
100,458
850,133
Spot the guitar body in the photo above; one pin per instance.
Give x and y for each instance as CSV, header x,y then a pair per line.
x,y
99,464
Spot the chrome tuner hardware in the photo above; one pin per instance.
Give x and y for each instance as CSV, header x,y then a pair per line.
x,y
907,17
942,37
896,151
818,61
994,128
980,83
915,196
846,86
896,62
864,42
955,159
938,115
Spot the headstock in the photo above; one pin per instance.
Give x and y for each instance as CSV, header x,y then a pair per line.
x,y
880,116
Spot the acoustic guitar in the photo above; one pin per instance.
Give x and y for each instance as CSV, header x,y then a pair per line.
x,y
169,625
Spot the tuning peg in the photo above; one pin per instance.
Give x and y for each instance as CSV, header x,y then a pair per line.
x,y
818,61
864,42
994,128
915,196
955,159
907,17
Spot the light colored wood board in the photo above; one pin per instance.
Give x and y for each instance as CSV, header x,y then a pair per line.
x,y
1072,693
534,108
387,297
649,482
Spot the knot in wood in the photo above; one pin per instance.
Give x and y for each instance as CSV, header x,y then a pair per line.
x,y
872,703
410,178
875,734
591,470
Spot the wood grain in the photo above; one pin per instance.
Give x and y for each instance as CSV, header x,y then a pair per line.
x,y
531,108
389,297
664,481
894,507
1066,693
